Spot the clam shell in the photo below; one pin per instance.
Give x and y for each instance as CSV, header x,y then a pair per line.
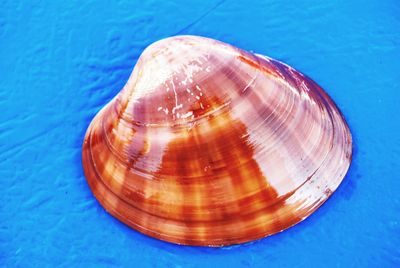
x,y
210,145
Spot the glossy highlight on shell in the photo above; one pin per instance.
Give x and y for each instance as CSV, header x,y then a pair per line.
x,y
210,145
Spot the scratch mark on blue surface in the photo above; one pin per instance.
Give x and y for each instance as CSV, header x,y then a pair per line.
x,y
16,146
36,202
184,29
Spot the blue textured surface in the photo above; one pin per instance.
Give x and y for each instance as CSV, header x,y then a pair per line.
x,y
61,61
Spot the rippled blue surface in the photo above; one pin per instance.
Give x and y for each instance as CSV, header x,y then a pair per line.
x,y
61,61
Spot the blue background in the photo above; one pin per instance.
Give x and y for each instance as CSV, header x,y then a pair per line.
x,y
61,61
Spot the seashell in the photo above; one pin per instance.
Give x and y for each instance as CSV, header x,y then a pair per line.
x,y
210,145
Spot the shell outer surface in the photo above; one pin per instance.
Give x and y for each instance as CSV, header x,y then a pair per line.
x,y
210,145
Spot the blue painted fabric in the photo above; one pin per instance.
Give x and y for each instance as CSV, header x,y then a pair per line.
x,y
61,61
